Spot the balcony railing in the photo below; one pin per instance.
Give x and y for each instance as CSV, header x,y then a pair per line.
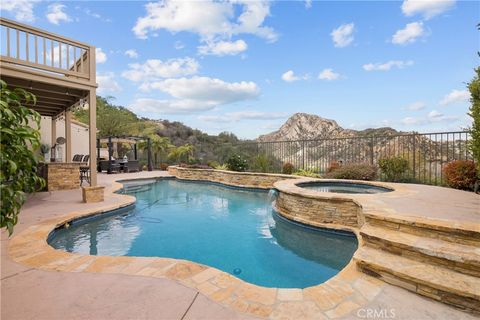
x,y
39,50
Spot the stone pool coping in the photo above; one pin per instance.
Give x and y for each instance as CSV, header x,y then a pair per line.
x,y
340,295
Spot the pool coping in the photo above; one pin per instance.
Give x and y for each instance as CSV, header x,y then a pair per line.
x,y
340,295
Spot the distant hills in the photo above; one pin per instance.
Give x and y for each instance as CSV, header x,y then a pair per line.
x,y
304,126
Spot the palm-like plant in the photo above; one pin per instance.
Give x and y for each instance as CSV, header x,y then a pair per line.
x,y
182,153
159,145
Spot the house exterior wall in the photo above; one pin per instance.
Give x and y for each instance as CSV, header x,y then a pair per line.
x,y
80,136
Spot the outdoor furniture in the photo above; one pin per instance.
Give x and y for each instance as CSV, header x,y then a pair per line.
x,y
85,170
77,158
114,166
133,166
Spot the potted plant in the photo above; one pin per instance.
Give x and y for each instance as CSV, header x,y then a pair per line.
x,y
44,150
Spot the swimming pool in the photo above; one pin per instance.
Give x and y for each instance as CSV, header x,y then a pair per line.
x,y
232,229
343,187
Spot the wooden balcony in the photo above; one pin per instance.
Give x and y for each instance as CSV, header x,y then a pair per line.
x,y
59,71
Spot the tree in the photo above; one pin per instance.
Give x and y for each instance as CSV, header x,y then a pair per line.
x,y
474,112
18,175
159,146
112,121
183,153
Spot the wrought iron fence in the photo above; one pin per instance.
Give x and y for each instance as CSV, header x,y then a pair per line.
x,y
427,153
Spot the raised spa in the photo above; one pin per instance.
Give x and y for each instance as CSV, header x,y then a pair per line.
x,y
343,187
232,229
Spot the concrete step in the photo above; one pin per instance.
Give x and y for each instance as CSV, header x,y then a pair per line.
x,y
467,233
436,282
459,257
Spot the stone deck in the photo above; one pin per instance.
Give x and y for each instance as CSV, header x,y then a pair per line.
x,y
59,285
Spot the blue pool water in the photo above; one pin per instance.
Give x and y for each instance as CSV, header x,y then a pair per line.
x,y
234,230
343,187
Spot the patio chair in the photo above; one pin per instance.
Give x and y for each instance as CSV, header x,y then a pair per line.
x,y
85,170
133,166
77,158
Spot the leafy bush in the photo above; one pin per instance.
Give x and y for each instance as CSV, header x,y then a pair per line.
x,y
354,171
333,165
221,167
393,168
460,174
213,163
474,113
18,173
261,163
237,163
287,168
307,173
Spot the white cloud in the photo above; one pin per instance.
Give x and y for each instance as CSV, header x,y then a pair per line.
x,y
343,35
290,76
409,34
432,117
328,74
56,13
154,69
427,8
195,94
209,19
243,115
387,65
22,10
222,48
208,89
455,96
96,15
100,56
107,83
415,106
131,53
308,4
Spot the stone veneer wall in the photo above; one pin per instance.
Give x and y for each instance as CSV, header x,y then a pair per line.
x,y
240,179
63,176
322,210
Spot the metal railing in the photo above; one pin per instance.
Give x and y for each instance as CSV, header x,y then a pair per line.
x,y
427,153
39,50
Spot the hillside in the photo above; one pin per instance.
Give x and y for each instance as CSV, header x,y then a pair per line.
x,y
303,126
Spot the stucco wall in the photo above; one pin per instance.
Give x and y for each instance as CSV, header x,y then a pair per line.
x,y
80,133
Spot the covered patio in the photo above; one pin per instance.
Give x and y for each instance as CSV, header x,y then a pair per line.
x,y
60,72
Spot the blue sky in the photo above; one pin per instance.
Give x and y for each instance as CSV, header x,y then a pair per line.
x,y
246,66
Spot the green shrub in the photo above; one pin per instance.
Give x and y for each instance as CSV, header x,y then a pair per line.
x,y
393,168
460,174
287,168
354,171
261,163
18,163
213,163
237,163
221,167
307,173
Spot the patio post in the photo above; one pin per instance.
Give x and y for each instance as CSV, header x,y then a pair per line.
x,y
135,151
92,131
68,136
149,154
54,131
109,155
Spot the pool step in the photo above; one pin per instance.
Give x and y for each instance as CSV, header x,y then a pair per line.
x,y
467,233
433,281
459,257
